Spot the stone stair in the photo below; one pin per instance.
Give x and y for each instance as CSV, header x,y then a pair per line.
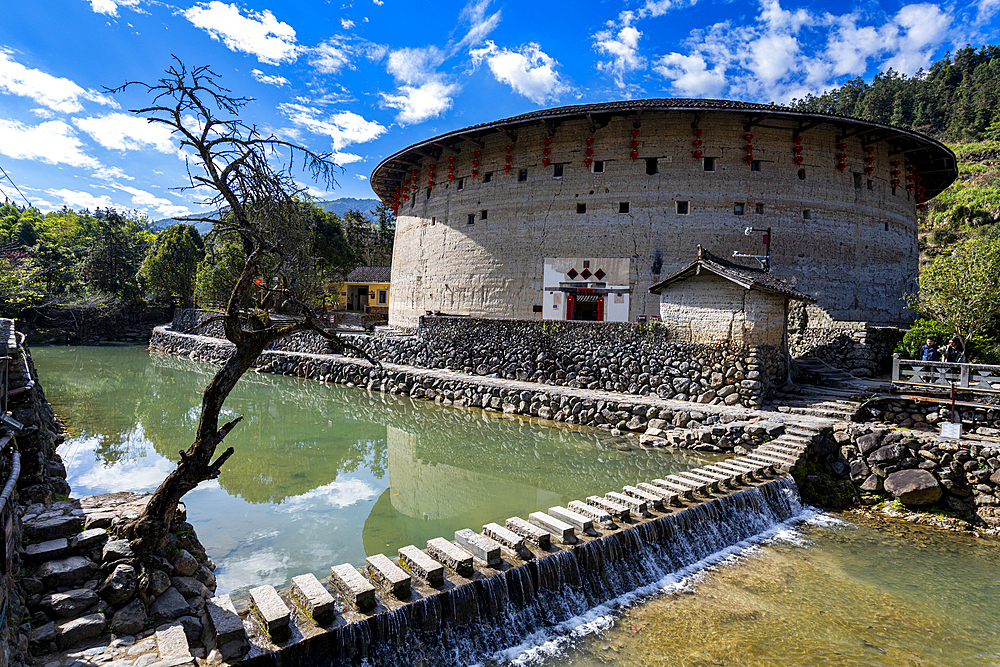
x,y
80,584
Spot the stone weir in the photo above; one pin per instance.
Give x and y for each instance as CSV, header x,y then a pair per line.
x,y
462,602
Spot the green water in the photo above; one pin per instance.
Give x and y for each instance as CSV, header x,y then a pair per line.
x,y
325,475
322,474
842,593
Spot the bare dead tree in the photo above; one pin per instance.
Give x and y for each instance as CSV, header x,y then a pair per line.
x,y
248,180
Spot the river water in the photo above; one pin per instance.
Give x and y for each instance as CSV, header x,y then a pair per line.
x,y
325,475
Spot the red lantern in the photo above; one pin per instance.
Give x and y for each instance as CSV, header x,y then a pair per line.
x,y
634,155
475,153
748,159
547,140
635,133
451,177
797,149
798,159
506,168
546,151
588,162
697,131
798,139
475,172
748,137
841,166
696,155
545,162
588,151
842,146
590,140
697,142
748,148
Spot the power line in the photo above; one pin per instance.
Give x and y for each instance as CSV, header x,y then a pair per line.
x,y
15,187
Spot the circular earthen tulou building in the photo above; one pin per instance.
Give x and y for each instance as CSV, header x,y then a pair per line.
x,y
573,213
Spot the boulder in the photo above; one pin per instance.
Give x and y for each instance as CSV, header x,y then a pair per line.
x,y
914,487
66,572
116,550
70,603
85,627
189,587
170,605
869,442
888,454
130,619
88,539
120,585
159,581
51,528
185,564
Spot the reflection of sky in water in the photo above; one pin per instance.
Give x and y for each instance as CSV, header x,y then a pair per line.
x,y
322,474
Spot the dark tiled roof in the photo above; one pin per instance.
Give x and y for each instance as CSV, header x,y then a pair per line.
x,y
748,277
369,274
934,161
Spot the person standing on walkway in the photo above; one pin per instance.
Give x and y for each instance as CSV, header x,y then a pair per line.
x,y
955,352
929,352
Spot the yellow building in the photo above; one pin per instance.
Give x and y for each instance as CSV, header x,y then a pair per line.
x,y
366,290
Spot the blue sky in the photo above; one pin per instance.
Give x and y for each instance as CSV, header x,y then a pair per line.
x,y
366,78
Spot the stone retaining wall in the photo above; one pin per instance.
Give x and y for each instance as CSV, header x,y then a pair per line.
x,y
611,356
702,430
920,469
856,347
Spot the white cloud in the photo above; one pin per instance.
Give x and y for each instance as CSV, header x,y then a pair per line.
x,y
361,177
419,103
80,200
110,7
313,191
269,79
622,46
258,33
691,76
112,174
344,127
530,71
423,94
346,24
914,35
145,201
126,132
338,493
480,23
52,142
330,57
343,158
379,2
55,93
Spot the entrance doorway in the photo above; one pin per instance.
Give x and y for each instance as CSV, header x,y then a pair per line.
x,y
585,307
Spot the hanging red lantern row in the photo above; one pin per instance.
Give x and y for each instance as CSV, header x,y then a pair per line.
x,y
841,157
589,152
920,196
475,163
748,158
406,187
870,160
634,144
395,202
451,168
546,151
508,158
430,176
895,172
697,152
413,187
797,149
910,177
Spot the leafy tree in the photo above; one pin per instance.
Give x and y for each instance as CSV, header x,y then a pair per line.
x,y
171,263
959,287
258,205
115,254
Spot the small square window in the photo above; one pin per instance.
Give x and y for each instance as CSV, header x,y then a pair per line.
x,y
522,175
886,226
428,194
871,184
857,181
487,177
708,163
471,219
806,214
623,207
652,166
682,207
557,171
581,208
754,165
382,297
433,221
758,209
802,174
586,263
598,166
461,184
482,214
738,209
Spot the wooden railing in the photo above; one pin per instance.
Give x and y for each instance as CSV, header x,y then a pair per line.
x,y
942,374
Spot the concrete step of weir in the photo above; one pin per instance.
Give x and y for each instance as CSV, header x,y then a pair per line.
x,y
652,500
313,598
794,452
353,586
480,546
506,538
230,635
669,497
767,467
755,471
450,555
729,479
775,463
696,487
388,576
683,491
581,522
637,505
738,478
792,457
592,512
617,510
538,536
419,564
271,611
705,481
557,528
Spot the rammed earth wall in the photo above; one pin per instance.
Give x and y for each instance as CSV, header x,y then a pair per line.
x,y
622,357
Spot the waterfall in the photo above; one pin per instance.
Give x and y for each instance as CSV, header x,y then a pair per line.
x,y
479,622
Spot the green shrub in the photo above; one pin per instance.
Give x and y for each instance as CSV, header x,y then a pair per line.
x,y
909,347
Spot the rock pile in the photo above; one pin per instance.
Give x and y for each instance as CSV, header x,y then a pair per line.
x,y
81,581
921,469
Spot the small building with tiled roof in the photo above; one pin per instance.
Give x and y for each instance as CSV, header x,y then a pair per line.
x,y
366,290
714,301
